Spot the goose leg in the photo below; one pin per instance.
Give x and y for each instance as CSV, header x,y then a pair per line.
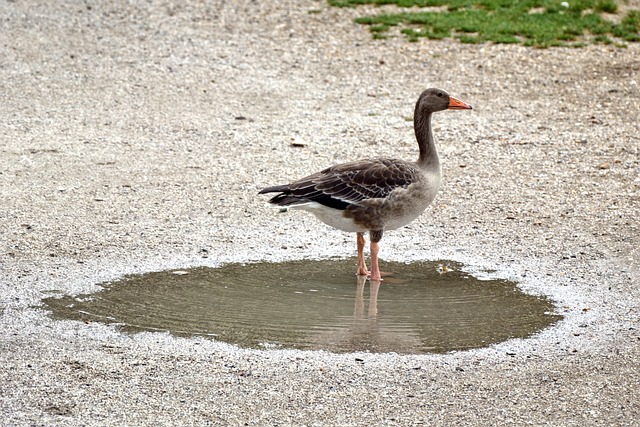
x,y
375,236
362,265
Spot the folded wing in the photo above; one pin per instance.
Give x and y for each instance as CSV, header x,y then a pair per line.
x,y
346,184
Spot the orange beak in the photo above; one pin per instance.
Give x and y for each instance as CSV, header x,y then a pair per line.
x,y
456,104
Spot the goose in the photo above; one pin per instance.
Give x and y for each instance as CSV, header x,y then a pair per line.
x,y
374,195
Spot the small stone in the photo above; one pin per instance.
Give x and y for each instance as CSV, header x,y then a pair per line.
x,y
180,272
298,144
604,165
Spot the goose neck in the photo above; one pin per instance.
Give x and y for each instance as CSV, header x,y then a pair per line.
x,y
428,155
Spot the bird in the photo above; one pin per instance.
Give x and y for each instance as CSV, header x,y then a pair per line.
x,y
378,194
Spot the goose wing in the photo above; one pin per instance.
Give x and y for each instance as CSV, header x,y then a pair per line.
x,y
349,183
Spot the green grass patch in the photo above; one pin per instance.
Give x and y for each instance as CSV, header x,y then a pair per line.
x,y
540,23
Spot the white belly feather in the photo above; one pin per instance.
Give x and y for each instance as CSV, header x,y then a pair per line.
x,y
330,216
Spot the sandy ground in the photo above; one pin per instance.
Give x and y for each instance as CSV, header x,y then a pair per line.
x,y
136,134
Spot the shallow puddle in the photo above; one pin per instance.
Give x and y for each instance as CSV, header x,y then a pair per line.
x,y
422,307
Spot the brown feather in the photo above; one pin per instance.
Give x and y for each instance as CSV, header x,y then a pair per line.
x,y
356,181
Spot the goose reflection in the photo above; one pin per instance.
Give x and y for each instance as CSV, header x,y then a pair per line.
x,y
358,312
364,332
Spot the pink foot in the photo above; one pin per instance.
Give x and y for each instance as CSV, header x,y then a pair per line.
x,y
375,278
375,270
362,272
362,265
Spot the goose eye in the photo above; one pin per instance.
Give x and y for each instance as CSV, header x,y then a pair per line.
x,y
439,94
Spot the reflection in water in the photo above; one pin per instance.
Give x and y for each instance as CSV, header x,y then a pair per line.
x,y
365,328
370,337
422,308
365,333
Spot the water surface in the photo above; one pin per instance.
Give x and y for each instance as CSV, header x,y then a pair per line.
x,y
422,307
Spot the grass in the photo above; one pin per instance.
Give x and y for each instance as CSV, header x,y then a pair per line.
x,y
540,23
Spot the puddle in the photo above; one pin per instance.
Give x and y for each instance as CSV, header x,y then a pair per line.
x,y
422,307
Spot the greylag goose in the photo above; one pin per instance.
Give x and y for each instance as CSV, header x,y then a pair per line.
x,y
375,195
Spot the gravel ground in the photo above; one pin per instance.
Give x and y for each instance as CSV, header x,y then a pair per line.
x,y
136,134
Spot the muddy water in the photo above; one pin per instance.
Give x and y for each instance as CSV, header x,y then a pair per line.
x,y
423,307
